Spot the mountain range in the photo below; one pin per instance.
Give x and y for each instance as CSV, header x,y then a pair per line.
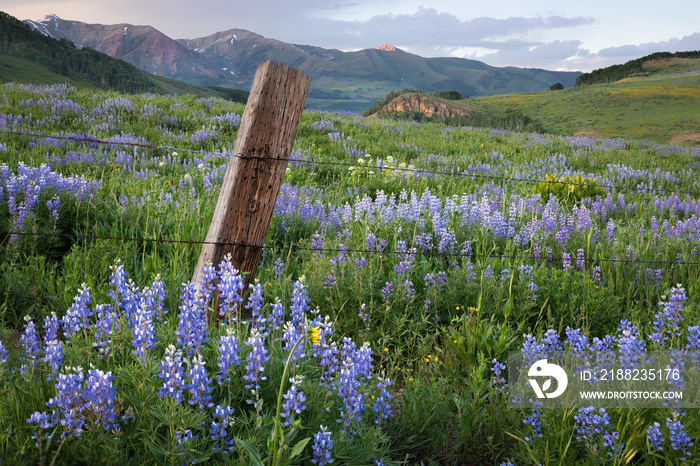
x,y
340,80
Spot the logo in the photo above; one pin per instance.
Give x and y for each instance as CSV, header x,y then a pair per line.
x,y
542,368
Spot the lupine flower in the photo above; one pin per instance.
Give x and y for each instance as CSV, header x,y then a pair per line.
x,y
144,333
278,268
218,429
228,350
192,320
322,447
104,328
276,318
31,348
68,404
172,372
293,400
679,439
44,422
612,440
51,327
498,380
534,420
78,315
199,383
589,424
3,353
231,286
255,303
182,438
381,405
566,260
349,391
656,439
53,357
256,369
100,395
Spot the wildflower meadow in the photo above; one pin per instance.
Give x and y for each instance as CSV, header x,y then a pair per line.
x,y
403,263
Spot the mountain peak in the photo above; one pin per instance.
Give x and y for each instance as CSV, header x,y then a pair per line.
x,y
387,47
48,17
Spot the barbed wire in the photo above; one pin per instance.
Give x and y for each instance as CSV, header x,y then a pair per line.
x,y
411,252
463,174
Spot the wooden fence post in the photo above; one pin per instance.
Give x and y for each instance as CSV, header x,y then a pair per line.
x,y
254,174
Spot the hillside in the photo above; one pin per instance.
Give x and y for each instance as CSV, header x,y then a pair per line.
x,y
658,106
340,80
662,108
634,67
28,56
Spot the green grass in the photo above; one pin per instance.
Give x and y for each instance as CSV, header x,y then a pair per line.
x,y
658,108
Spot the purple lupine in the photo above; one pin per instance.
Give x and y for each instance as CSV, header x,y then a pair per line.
x,y
322,447
173,374
679,439
276,318
256,370
218,429
31,347
667,320
68,404
278,269
255,304
104,328
534,420
51,327
589,424
293,400
3,353
230,286
290,336
192,320
100,396
580,259
53,357
363,364
228,350
44,422
199,384
381,405
78,315
612,440
566,260
656,439
498,380
300,302
349,391
144,332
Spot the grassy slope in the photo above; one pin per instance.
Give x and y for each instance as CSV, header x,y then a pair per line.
x,y
659,107
16,70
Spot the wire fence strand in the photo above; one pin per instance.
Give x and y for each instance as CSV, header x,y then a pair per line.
x,y
419,171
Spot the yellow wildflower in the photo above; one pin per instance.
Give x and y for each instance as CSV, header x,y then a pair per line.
x,y
316,336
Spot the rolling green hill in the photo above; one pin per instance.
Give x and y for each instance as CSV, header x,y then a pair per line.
x,y
659,108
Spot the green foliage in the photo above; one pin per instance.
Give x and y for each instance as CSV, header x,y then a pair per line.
x,y
618,72
449,95
569,189
556,87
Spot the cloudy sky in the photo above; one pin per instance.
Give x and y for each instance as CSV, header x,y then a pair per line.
x,y
556,35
